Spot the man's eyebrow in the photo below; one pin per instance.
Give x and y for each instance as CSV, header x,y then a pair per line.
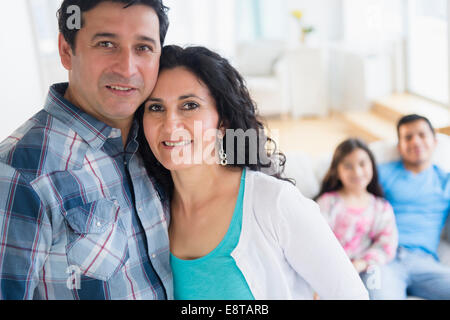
x,y
104,35
147,39
115,36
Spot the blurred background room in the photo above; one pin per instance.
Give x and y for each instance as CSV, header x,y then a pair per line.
x,y
320,70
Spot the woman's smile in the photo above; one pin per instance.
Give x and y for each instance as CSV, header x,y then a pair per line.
x,y
176,144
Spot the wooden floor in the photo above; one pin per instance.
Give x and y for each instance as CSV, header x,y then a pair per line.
x,y
320,136
314,136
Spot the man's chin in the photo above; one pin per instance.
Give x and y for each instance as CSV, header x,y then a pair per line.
x,y
122,111
417,163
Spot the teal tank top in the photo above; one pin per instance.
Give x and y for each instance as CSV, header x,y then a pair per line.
x,y
216,275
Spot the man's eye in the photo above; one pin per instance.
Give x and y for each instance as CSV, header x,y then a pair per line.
x,y
190,106
145,49
106,44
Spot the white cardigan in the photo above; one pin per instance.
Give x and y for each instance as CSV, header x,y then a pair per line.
x,y
287,250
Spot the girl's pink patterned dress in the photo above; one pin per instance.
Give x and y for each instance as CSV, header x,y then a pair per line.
x,y
368,233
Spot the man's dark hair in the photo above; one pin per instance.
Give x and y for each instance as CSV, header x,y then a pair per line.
x,y
86,5
413,118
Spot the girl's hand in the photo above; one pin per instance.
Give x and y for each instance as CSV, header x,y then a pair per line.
x,y
360,265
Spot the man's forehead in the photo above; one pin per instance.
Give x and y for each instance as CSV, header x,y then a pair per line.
x,y
417,126
110,17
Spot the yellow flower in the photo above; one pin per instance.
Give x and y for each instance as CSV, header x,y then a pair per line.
x,y
297,14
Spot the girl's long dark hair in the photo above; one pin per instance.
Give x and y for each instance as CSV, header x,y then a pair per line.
x,y
331,182
234,105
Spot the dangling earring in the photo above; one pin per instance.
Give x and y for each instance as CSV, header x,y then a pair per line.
x,y
222,154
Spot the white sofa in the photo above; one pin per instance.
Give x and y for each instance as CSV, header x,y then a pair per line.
x,y
264,68
283,80
308,173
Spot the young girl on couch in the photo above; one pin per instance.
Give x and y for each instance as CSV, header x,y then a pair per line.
x,y
353,203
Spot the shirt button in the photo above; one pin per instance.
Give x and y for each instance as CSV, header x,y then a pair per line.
x,y
153,256
99,224
140,209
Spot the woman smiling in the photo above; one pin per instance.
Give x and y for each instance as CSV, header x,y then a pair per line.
x,y
235,232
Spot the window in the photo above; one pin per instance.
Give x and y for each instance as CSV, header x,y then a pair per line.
x,y
427,49
45,29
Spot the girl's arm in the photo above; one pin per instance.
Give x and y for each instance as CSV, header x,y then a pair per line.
x,y
384,235
311,248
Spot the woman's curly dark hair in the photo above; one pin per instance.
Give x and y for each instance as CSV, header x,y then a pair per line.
x,y
235,108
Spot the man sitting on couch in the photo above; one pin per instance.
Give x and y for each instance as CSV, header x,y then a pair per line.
x,y
420,195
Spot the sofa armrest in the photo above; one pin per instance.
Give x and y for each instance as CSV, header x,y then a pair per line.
x,y
281,72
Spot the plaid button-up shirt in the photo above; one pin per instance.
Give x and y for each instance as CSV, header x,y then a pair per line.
x,y
79,216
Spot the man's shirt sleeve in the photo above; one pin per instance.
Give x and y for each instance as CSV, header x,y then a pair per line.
x,y
25,236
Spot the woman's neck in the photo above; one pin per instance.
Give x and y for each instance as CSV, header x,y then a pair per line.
x,y
196,186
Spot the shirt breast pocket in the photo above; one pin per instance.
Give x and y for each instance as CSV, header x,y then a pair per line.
x,y
97,241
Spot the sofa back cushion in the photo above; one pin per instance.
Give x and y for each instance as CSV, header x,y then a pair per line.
x,y
258,58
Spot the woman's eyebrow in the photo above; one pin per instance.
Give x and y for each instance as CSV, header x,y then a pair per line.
x,y
183,97
191,95
154,100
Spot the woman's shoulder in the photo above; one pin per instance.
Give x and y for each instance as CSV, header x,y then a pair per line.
x,y
270,186
270,191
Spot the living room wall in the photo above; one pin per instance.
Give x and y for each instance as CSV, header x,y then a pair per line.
x,y
22,90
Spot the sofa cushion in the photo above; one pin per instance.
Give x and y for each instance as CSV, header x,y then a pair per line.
x,y
300,167
258,58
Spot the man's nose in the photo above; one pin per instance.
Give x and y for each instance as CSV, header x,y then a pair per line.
x,y
415,139
126,64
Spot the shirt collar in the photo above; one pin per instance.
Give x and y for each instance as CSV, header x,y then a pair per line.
x,y
93,131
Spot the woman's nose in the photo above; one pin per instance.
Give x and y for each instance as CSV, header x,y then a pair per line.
x,y
172,122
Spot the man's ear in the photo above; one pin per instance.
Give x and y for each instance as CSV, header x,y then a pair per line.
x,y
65,52
435,140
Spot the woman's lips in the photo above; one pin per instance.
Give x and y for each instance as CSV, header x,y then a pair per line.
x,y
176,144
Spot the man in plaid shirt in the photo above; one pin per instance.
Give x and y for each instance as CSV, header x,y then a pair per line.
x,y
79,216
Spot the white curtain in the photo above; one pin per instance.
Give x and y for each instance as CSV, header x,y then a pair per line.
x,y
210,23
22,93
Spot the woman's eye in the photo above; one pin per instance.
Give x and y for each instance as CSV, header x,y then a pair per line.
x,y
155,108
348,166
190,106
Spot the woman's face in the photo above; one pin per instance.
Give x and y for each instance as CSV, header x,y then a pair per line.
x,y
181,120
355,170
